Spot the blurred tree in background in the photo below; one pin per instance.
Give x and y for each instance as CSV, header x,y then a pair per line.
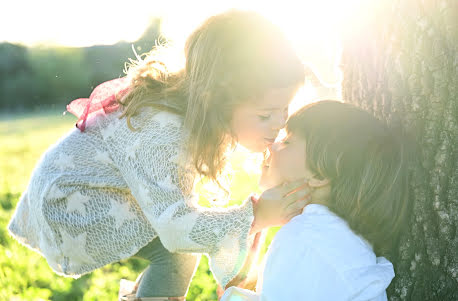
x,y
17,85
400,62
59,74
53,76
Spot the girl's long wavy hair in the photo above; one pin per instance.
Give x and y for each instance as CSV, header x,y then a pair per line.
x,y
367,164
232,58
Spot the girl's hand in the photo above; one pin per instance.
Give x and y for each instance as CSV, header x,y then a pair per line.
x,y
276,206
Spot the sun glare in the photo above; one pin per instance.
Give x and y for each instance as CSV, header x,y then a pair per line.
x,y
312,26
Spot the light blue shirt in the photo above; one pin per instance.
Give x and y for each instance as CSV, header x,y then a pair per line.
x,y
316,256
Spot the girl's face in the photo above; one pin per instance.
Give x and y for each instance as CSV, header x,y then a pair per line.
x,y
286,163
256,123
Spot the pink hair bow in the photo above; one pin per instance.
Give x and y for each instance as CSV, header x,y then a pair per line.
x,y
101,101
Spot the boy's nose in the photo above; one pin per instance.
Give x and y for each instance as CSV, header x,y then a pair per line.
x,y
275,147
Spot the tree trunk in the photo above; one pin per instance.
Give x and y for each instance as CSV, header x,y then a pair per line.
x,y
400,62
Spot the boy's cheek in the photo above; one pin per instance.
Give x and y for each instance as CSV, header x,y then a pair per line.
x,y
266,181
270,177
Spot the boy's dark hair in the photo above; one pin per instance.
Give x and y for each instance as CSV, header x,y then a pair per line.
x,y
366,163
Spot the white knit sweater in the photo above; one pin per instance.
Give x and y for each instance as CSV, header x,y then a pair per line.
x,y
99,196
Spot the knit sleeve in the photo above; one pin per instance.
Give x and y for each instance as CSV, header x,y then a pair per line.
x,y
147,160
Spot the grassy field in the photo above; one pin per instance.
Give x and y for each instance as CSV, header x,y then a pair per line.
x,y
24,274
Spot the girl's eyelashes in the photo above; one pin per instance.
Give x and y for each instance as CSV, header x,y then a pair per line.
x,y
264,117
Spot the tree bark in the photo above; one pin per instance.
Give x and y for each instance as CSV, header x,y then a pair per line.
x,y
400,62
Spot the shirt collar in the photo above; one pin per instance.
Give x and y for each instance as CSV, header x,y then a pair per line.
x,y
322,209
315,208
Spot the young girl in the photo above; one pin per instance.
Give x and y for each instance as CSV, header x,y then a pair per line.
x,y
356,168
122,183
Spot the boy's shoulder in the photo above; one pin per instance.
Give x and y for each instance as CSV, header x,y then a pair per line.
x,y
318,229
319,245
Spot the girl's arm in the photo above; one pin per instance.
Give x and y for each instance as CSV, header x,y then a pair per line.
x,y
147,160
245,277
182,225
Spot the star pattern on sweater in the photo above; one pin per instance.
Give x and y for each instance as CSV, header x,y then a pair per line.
x,y
72,216
76,202
75,248
144,194
178,228
216,231
131,150
167,119
64,162
174,159
103,157
166,183
121,212
227,247
180,161
109,130
55,193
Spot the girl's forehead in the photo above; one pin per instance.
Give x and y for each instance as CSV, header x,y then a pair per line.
x,y
275,99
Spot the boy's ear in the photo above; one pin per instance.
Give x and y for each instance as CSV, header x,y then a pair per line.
x,y
316,183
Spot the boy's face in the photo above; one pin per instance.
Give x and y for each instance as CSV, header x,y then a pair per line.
x,y
286,163
256,123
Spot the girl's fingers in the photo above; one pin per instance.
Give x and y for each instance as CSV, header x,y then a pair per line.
x,y
299,204
295,213
297,196
294,187
298,193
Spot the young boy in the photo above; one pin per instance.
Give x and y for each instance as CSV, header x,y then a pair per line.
x,y
356,169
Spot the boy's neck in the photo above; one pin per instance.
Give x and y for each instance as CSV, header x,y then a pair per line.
x,y
321,195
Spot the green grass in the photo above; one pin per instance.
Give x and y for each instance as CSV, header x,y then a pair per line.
x,y
24,274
